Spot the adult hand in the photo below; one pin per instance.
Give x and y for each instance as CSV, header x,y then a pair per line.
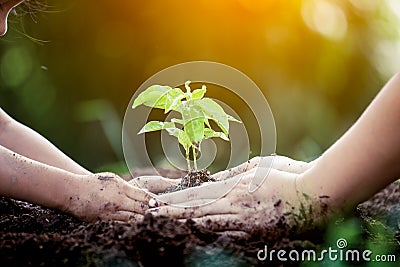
x,y
105,196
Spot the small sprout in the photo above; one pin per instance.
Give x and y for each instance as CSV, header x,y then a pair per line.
x,y
196,112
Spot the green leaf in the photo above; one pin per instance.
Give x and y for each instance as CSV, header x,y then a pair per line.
x,y
187,86
152,126
207,122
174,120
184,140
193,119
210,133
154,96
199,93
173,131
173,98
212,110
196,112
231,118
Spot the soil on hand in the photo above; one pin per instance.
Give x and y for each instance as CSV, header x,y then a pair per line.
x,y
31,235
191,179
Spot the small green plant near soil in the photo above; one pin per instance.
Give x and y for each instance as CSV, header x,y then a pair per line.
x,y
193,126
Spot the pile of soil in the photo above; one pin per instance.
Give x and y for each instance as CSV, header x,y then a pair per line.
x,y
192,179
31,235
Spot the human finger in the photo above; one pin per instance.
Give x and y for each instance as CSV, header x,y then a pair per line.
x,y
212,190
220,206
132,205
137,193
277,162
136,200
246,166
155,183
262,167
286,164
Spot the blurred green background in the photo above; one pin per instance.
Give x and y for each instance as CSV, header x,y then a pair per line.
x,y
69,71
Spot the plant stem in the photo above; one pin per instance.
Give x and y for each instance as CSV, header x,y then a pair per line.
x,y
187,160
194,158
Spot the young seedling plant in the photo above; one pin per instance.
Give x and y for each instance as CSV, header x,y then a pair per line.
x,y
196,112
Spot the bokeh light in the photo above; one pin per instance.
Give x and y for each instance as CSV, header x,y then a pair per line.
x,y
325,18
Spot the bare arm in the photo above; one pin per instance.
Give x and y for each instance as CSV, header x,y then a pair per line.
x,y
26,142
88,197
29,180
365,159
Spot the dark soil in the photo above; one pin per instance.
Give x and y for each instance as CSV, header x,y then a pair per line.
x,y
191,179
34,236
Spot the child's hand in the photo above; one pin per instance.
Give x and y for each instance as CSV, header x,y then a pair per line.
x,y
279,197
105,196
153,183
281,163
238,209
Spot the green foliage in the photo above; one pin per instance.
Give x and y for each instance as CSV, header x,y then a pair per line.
x,y
196,113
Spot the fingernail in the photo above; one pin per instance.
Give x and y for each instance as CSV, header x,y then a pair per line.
x,y
153,203
153,211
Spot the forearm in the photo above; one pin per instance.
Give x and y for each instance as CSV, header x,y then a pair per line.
x,y
365,159
26,142
25,179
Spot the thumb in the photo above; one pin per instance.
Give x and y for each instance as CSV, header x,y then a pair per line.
x,y
155,184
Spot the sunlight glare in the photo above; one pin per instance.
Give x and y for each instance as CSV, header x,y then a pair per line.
x,y
325,18
395,6
367,5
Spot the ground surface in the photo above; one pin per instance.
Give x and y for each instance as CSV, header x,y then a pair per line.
x,y
35,236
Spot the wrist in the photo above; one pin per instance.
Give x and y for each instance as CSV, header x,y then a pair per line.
x,y
324,191
66,192
314,202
